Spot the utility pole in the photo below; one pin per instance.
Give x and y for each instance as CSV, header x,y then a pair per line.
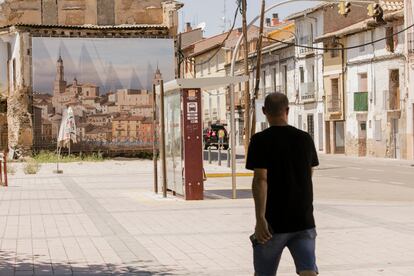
x,y
258,67
246,84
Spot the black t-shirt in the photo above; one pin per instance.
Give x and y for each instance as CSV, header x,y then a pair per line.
x,y
288,154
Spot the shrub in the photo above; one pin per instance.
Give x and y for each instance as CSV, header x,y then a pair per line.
x,y
31,166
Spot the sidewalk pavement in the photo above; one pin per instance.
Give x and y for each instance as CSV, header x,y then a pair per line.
x,y
103,219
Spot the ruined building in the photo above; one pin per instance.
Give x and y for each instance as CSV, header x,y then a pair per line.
x,y
20,21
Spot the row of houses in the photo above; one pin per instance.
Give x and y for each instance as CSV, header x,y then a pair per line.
x,y
347,78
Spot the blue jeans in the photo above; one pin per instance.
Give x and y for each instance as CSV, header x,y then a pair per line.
x,y
301,246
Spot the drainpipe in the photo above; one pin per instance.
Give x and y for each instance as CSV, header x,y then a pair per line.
x,y
343,77
317,54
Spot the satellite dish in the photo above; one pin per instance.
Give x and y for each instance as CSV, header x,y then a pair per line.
x,y
202,26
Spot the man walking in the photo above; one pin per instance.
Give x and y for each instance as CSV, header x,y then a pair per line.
x,y
282,158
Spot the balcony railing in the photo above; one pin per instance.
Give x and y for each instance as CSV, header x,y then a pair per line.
x,y
333,104
307,91
361,101
392,99
305,41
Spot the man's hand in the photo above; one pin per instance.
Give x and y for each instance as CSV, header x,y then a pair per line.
x,y
262,231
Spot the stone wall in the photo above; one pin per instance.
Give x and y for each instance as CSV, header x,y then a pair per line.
x,y
95,12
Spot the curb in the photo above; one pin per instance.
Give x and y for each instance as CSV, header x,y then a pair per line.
x,y
219,175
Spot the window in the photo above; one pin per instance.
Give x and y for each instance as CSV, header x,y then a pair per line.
x,y
311,129
285,79
302,74
361,101
362,82
389,31
312,73
274,80
335,53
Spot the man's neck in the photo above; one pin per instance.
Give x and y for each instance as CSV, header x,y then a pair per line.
x,y
278,122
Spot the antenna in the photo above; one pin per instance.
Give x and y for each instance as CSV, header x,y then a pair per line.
x,y
202,26
224,18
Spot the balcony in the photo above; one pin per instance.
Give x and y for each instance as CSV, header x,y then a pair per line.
x,y
361,101
305,41
307,91
392,100
333,104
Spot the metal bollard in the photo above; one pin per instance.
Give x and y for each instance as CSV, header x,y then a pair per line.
x,y
5,169
219,156
209,155
228,157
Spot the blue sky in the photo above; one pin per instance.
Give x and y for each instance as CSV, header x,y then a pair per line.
x,y
212,12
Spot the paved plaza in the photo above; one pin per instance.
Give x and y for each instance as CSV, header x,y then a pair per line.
x,y
104,219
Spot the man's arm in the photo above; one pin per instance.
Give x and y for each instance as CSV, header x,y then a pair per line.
x,y
259,188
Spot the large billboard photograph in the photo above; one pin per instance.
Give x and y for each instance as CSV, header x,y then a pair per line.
x,y
106,82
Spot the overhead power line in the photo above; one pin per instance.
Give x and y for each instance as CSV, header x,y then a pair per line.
x,y
344,48
236,13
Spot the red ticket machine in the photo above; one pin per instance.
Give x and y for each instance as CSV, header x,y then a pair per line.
x,y
192,144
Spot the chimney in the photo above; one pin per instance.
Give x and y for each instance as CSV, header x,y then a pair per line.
x,y
268,22
188,27
275,19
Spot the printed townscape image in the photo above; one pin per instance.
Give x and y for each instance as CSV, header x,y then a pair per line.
x,y
220,137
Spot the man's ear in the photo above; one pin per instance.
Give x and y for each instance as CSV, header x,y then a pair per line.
x,y
287,111
263,110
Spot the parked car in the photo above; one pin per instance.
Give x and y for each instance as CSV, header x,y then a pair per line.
x,y
216,135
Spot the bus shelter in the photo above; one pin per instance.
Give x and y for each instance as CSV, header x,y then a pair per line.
x,y
179,107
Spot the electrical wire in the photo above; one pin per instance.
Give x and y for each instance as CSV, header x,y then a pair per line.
x,y
344,48
236,13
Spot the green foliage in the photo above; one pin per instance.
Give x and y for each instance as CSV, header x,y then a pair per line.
x,y
52,157
31,166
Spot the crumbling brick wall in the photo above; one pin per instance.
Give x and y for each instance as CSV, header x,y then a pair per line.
x,y
19,120
79,12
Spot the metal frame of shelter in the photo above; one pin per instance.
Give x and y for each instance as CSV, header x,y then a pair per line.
x,y
178,106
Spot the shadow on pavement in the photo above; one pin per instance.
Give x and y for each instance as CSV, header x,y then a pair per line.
x,y
228,194
26,264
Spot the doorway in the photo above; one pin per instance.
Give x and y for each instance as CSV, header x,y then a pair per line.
x,y
311,126
362,138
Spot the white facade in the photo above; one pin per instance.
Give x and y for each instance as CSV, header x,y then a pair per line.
x,y
213,101
308,113
376,69
409,79
277,75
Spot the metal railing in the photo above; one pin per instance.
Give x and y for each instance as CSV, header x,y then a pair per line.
x,y
305,41
307,91
333,104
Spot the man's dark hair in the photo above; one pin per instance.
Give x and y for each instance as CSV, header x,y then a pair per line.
x,y
276,104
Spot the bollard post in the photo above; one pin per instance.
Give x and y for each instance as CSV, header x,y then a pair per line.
x,y
1,172
228,158
209,155
219,156
5,169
